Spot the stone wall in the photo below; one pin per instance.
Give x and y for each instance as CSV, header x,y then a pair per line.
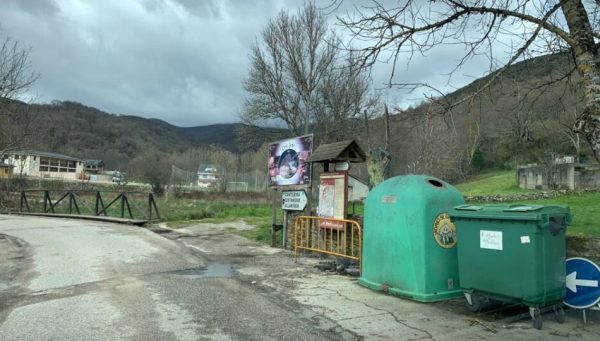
x,y
546,177
588,177
528,196
569,176
586,247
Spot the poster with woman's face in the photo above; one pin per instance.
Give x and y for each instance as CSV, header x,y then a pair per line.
x,y
288,161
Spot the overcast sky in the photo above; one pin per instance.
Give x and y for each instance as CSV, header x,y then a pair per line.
x,y
182,61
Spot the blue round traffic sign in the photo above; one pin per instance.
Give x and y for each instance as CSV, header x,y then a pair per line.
x,y
583,278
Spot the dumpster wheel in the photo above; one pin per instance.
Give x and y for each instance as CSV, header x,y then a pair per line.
x,y
474,302
536,316
559,313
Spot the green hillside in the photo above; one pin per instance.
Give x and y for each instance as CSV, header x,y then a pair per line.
x,y
492,183
584,206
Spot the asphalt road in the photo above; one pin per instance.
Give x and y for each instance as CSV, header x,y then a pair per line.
x,y
82,280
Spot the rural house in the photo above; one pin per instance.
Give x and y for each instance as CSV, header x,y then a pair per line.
x,y
209,175
44,165
93,166
6,170
357,189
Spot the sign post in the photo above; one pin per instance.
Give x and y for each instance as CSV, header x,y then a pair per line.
x,y
288,166
291,201
583,284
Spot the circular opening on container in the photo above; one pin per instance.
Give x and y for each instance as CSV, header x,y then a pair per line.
x,y
435,183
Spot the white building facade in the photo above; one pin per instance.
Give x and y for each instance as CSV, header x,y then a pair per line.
x,y
44,165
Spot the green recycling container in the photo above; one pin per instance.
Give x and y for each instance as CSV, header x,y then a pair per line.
x,y
409,242
512,253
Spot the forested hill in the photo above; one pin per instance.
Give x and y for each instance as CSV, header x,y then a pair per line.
x,y
514,121
523,115
75,129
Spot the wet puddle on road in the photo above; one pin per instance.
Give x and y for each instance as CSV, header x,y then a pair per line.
x,y
212,270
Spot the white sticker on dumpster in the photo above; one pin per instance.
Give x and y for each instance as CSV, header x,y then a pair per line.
x,y
490,240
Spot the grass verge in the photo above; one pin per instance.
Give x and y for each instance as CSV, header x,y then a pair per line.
x,y
585,207
493,183
181,212
177,212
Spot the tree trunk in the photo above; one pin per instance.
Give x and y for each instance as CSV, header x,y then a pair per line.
x,y
588,65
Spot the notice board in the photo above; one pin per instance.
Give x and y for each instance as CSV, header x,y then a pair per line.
x,y
333,196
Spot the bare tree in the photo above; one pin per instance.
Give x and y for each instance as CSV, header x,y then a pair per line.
x,y
15,78
530,27
299,75
15,69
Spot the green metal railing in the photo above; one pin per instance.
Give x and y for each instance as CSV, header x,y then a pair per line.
x,y
123,202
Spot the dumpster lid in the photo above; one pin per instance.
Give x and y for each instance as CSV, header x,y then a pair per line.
x,y
529,212
468,207
523,208
503,208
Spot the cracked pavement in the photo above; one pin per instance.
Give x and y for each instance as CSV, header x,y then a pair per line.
x,y
74,280
367,314
84,280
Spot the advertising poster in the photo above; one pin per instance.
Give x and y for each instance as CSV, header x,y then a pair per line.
x,y
288,164
332,197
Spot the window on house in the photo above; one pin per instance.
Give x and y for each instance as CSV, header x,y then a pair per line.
x,y
56,165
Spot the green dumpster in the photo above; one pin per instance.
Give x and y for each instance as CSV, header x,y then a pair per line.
x,y
409,242
512,253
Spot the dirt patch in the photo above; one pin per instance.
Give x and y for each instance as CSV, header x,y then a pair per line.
x,y
237,225
235,197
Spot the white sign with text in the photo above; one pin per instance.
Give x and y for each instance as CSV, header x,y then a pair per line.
x,y
491,240
293,200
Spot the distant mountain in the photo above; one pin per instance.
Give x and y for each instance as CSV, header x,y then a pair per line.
x,y
226,135
75,129
234,137
222,134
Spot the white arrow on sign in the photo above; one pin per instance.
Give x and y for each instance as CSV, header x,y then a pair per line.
x,y
573,282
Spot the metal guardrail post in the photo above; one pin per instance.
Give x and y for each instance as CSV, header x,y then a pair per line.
x,y
126,201
24,201
122,196
150,206
70,202
46,201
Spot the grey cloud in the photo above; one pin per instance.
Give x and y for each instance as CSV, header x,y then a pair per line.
x,y
35,7
182,61
202,9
